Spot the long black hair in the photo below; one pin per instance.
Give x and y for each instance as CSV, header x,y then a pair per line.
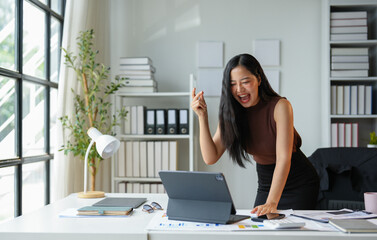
x,y
232,115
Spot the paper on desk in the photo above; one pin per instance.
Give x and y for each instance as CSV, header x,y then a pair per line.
x,y
72,213
324,216
160,222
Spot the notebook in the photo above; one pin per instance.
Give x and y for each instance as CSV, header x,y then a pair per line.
x,y
199,197
120,202
354,225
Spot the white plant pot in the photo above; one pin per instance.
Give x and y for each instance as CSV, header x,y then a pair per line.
x,y
372,145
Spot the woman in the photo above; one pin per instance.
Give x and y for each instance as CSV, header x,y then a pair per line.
x,y
253,119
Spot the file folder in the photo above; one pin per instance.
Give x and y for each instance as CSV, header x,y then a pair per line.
x,y
150,123
183,121
172,121
160,121
199,197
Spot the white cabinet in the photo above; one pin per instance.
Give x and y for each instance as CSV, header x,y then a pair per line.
x,y
350,74
157,100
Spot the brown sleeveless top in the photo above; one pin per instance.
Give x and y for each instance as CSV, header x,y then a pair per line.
x,y
262,126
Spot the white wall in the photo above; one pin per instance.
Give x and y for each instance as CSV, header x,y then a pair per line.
x,y
168,30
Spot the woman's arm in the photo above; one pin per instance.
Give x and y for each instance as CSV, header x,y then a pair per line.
x,y
283,115
211,148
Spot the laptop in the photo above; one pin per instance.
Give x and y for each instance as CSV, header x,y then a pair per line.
x,y
199,197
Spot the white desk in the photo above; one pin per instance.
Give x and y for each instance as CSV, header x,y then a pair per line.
x,y
45,223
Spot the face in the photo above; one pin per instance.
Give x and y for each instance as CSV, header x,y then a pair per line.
x,y
244,86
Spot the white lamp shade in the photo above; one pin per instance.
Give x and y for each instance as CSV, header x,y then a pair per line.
x,y
106,145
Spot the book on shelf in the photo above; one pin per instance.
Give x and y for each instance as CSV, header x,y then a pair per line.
x,y
339,99
134,77
333,99
354,225
334,30
348,22
127,119
361,99
135,73
122,160
346,99
140,119
349,73
353,65
173,155
143,159
355,134
122,187
358,51
348,135
157,157
104,211
129,161
368,100
140,83
150,159
354,99
349,59
135,60
134,121
136,158
348,15
137,89
137,68
164,155
334,135
348,36
129,188
341,134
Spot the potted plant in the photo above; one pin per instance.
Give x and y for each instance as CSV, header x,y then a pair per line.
x,y
92,109
373,140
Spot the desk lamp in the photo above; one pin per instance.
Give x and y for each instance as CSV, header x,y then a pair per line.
x,y
106,146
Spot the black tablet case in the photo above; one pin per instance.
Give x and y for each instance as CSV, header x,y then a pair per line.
x,y
199,197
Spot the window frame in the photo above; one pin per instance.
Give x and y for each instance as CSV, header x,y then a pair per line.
x,y
19,78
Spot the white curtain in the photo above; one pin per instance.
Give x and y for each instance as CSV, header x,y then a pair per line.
x,y
67,171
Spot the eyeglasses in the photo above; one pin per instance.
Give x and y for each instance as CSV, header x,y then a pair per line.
x,y
150,208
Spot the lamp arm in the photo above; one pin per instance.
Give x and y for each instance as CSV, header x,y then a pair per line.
x,y
86,165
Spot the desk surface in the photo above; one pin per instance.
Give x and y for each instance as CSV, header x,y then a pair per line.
x,y
45,223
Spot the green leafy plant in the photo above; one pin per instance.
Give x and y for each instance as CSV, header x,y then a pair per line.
x,y
93,108
373,138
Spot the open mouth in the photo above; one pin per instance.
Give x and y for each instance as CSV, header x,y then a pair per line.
x,y
244,98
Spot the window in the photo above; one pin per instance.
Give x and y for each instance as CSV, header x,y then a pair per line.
x,y
30,42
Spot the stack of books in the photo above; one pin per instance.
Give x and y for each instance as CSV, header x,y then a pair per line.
x,y
345,26
345,134
138,73
349,62
351,99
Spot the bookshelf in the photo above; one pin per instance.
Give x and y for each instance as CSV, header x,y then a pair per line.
x,y
156,100
341,102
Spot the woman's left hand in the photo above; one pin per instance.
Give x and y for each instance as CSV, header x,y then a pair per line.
x,y
265,208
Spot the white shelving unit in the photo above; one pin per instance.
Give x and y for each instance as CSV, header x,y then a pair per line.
x,y
367,123
160,100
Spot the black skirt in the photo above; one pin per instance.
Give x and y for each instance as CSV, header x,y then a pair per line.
x,y
301,189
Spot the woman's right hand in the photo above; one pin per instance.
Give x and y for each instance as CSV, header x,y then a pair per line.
x,y
198,103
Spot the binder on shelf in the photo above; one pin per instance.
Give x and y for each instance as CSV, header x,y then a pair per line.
x,y
339,100
136,158
341,135
183,121
140,120
333,99
122,160
347,100
173,155
354,98
348,135
355,134
143,159
133,119
127,121
122,187
160,121
361,100
368,100
150,159
157,158
172,121
165,155
334,135
150,121
129,162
